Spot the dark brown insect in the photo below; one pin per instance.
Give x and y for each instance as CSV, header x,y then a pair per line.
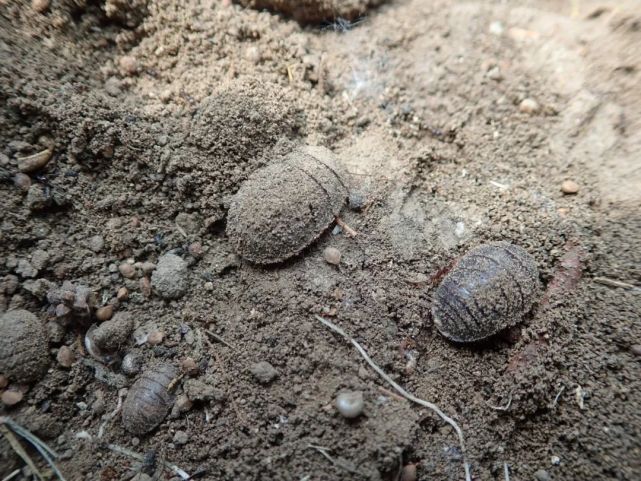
x,y
23,346
284,207
149,399
490,288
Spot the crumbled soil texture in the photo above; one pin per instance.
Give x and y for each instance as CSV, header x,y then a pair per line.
x,y
457,124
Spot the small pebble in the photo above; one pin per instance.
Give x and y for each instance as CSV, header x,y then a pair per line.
x,y
356,200
569,187
555,460
96,243
11,398
332,255
4,381
183,403
170,278
128,64
105,312
122,294
131,364
65,356
264,372
127,270
636,350
350,404
145,286
40,6
542,475
22,182
189,366
408,473
155,337
181,438
147,267
209,286
529,106
196,249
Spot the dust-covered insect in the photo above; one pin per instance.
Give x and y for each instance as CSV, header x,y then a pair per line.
x,y
490,288
284,207
149,399
23,346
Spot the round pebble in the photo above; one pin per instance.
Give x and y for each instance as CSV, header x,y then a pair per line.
x,y
529,106
40,6
170,279
356,200
332,255
131,364
569,187
22,181
127,270
11,398
555,460
181,437
636,350
189,366
105,312
4,381
155,337
196,249
123,294
542,475
128,64
408,473
264,372
145,286
183,403
65,356
350,404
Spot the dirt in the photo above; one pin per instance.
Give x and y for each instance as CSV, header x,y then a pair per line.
x,y
457,124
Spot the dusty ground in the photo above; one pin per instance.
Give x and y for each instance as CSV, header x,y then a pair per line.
x,y
157,112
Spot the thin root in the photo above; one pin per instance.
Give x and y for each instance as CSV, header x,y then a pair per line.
x,y
12,475
139,457
506,471
558,396
108,417
348,230
216,337
324,452
606,281
501,408
404,393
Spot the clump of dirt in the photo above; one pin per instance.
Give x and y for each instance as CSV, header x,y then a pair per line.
x,y
457,124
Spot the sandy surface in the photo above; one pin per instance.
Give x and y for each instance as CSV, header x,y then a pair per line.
x,y
457,124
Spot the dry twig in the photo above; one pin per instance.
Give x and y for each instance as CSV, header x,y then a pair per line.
x,y
404,393
348,230
606,281
139,457
216,337
501,408
335,462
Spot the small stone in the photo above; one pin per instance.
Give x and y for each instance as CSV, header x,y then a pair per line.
x,y
495,74
40,6
496,28
350,404
105,312
147,267
555,460
55,332
636,350
408,473
11,398
141,476
4,381
128,64
569,187
356,200
169,279
264,372
196,249
189,366
96,243
155,337
65,357
122,294
332,255
542,475
25,269
529,106
22,181
145,286
111,335
181,438
37,199
131,364
127,270
209,286
183,403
